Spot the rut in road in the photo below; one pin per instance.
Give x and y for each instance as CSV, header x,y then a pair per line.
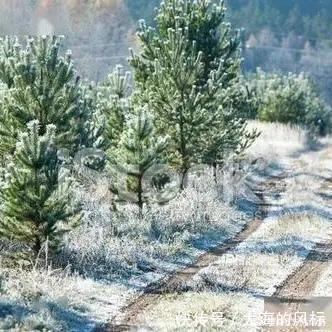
x,y
296,291
300,284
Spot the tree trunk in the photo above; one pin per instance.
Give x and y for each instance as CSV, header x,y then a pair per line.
x,y
214,166
183,178
37,246
140,197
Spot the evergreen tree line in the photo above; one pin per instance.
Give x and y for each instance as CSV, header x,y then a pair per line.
x,y
310,19
183,106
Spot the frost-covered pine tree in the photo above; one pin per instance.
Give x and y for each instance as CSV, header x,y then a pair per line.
x,y
35,203
188,71
138,150
114,103
177,100
42,85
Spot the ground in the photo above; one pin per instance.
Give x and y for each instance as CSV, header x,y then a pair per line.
x,y
213,259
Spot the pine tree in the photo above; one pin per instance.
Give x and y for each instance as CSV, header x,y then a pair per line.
x,y
114,103
176,99
206,26
138,150
231,138
41,85
188,72
36,206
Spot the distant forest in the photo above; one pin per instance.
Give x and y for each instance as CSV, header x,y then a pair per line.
x,y
311,19
278,35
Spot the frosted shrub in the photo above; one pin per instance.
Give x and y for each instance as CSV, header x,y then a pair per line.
x,y
291,99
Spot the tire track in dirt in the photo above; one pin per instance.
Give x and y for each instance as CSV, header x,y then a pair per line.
x,y
177,283
297,289
300,284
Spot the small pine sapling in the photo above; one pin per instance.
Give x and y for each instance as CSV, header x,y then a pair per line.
x,y
42,85
36,204
138,150
114,103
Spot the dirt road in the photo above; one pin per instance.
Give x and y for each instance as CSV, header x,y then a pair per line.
x,y
178,282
